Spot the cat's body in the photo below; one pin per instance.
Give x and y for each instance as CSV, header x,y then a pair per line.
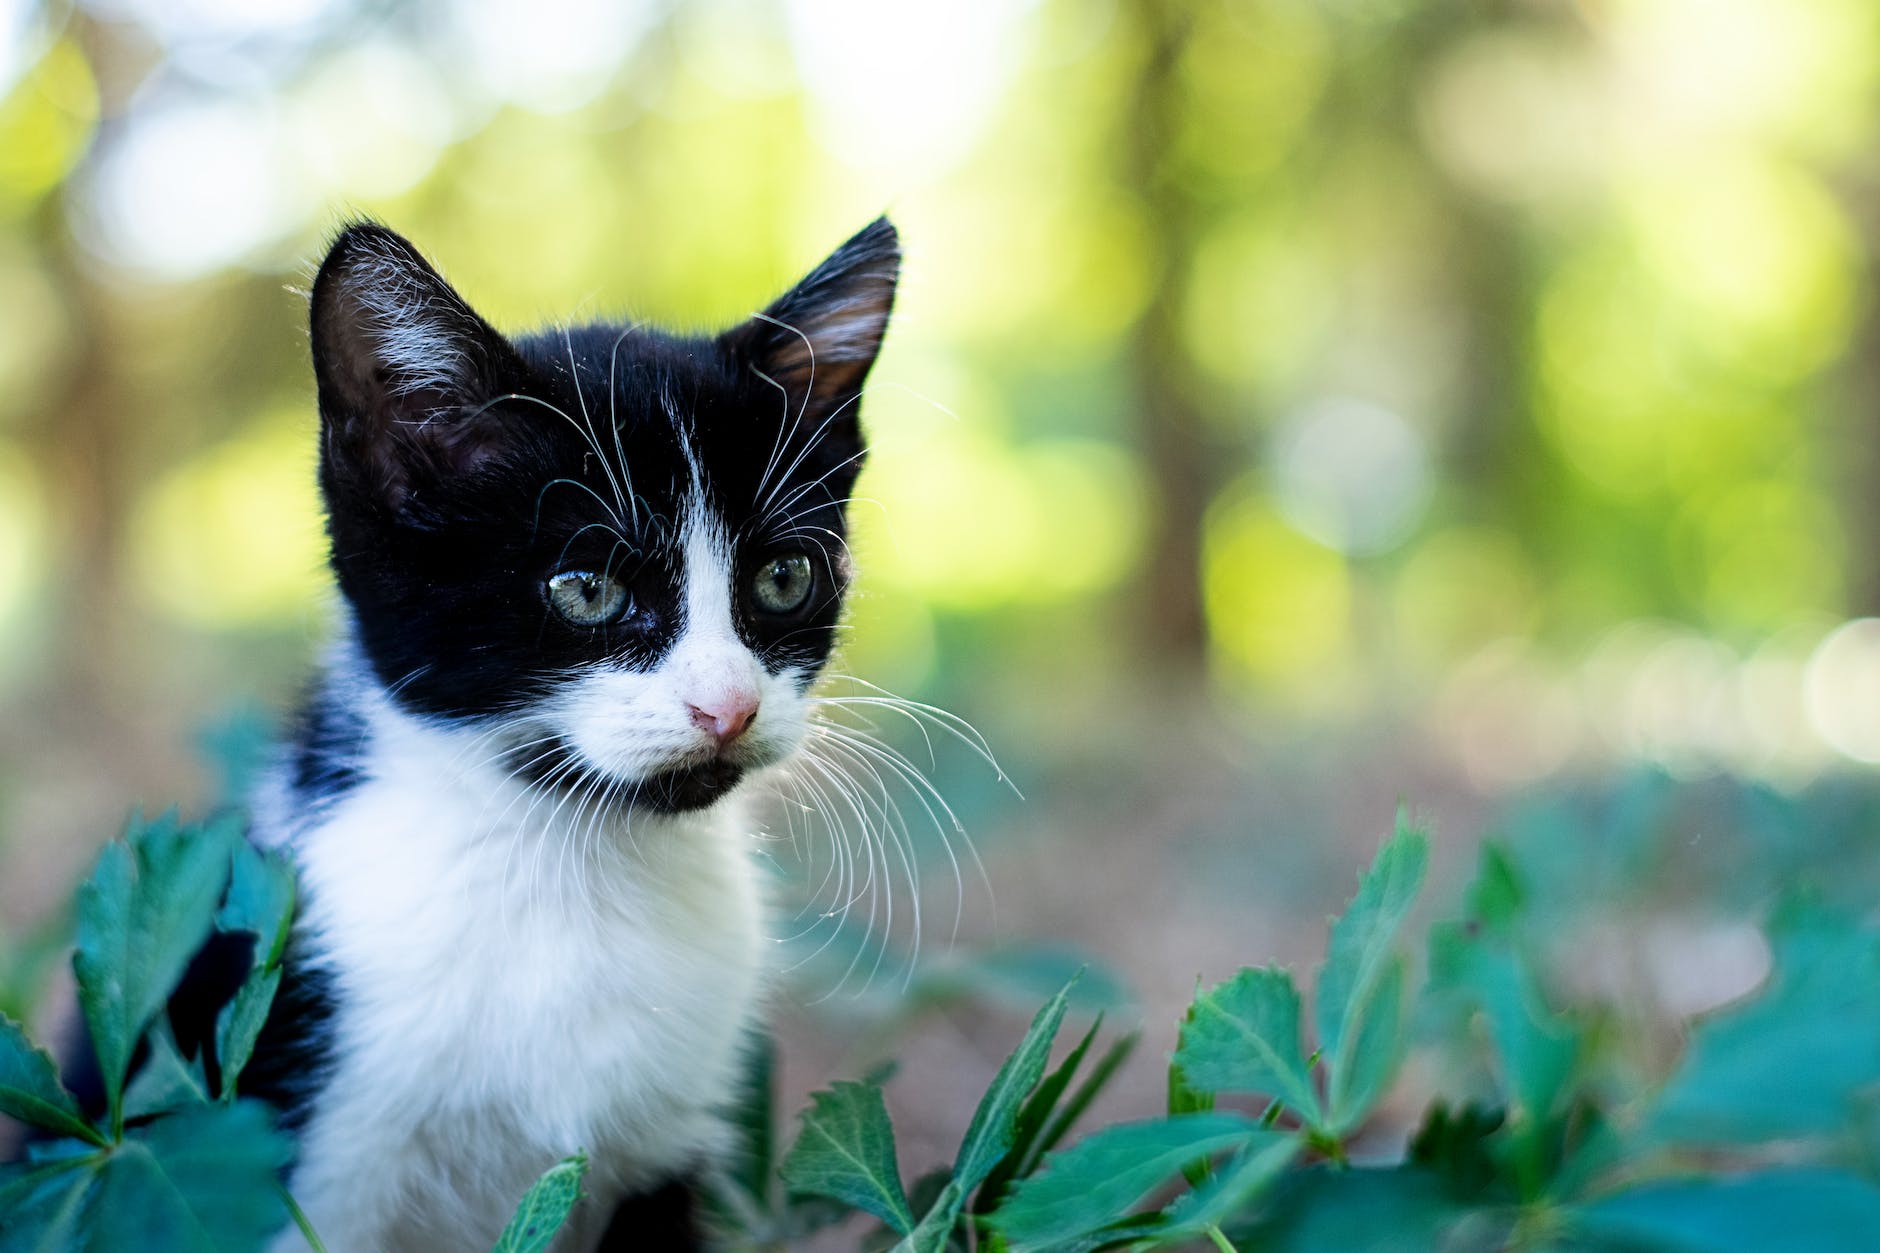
x,y
589,578
503,985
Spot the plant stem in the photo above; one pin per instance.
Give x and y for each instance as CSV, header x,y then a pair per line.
x,y
301,1220
1220,1239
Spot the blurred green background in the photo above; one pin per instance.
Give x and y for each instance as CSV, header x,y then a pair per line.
x,y
1292,405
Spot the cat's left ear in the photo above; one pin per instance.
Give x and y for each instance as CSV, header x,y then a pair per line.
x,y
819,339
406,368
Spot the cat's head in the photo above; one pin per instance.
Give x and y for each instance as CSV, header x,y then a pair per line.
x,y
619,552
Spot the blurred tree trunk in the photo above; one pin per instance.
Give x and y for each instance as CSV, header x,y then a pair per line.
x,y
1170,618
84,441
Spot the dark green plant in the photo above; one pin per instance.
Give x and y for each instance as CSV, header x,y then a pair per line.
x,y
1551,1130
1762,1137
175,1163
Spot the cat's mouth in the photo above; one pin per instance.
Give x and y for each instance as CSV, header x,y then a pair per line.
x,y
689,788
676,791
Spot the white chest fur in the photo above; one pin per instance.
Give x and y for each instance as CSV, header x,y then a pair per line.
x,y
515,980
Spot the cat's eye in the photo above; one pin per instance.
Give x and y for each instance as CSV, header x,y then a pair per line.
x,y
587,599
783,584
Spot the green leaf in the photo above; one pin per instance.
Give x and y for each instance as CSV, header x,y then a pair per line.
x,y
1791,1061
1357,963
846,1151
545,1208
1402,1210
1031,1122
204,1180
142,915
1101,1179
994,1125
239,1024
1822,1211
1478,964
1080,1098
1456,1144
30,1089
1375,1050
42,1206
165,1081
1021,975
1243,1036
1232,1189
936,1229
260,901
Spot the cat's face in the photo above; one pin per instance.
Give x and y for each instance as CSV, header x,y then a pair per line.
x,y
618,556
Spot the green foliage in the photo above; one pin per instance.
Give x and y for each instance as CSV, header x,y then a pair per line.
x,y
30,1090
144,912
1792,1063
1567,1147
171,1167
846,1152
1761,1134
1243,1036
1087,1189
545,1207
1823,1211
1360,988
995,1126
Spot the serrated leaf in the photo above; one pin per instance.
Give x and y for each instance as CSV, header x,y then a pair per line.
x,y
1101,1179
239,1024
1822,1211
1791,1061
260,901
1243,1036
142,915
1085,1092
30,1089
42,1206
1230,1190
204,1180
1376,1049
165,1081
1358,957
1032,1117
544,1208
994,1125
846,1151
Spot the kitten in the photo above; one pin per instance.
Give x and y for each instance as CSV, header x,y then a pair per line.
x,y
589,577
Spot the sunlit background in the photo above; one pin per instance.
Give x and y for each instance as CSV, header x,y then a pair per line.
x,y
1292,405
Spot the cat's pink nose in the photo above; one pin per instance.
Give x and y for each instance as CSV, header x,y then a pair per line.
x,y
727,718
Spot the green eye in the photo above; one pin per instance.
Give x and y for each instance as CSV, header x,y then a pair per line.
x,y
783,584
587,599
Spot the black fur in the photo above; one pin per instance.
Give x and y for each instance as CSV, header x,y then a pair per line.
x,y
451,502
459,479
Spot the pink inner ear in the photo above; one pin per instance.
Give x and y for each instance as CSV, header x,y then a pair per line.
x,y
829,353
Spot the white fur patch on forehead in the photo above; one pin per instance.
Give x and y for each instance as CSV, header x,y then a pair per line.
x,y
709,565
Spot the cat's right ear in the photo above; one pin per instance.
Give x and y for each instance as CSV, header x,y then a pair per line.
x,y
406,369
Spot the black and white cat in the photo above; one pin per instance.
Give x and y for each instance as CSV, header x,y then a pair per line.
x,y
589,577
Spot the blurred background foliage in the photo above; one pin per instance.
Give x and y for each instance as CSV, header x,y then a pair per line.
x,y
1292,404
